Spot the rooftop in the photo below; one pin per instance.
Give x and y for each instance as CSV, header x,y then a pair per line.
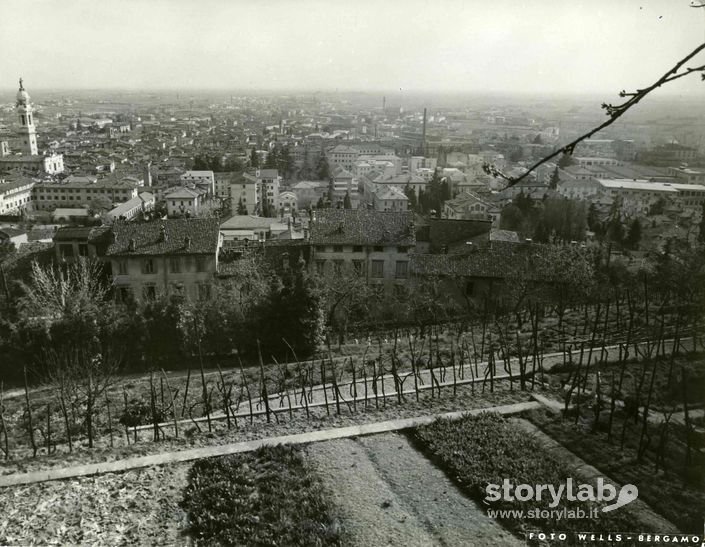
x,y
172,236
636,184
268,173
362,227
248,222
84,233
183,193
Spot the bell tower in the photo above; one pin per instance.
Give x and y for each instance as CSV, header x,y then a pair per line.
x,y
27,132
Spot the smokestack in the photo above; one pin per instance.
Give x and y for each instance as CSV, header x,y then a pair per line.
x,y
423,135
384,103
148,175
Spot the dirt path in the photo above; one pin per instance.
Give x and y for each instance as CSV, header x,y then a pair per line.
x,y
390,494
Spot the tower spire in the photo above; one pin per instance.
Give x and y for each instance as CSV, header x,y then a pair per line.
x,y
27,130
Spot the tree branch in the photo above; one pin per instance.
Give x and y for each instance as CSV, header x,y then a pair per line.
x,y
613,111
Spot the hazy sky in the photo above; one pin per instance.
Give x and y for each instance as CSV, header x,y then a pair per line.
x,y
417,45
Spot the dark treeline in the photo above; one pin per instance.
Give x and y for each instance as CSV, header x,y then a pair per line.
x,y
69,311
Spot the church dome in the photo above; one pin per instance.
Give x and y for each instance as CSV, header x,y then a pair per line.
x,y
22,95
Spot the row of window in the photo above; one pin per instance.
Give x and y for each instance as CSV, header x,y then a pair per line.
x,y
401,270
355,248
66,250
150,265
86,190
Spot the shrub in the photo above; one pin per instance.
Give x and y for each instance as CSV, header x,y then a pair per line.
x,y
139,412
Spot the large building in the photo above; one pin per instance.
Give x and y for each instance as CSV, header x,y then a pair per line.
x,y
372,244
638,196
184,202
269,181
75,191
28,159
245,193
175,256
200,179
15,195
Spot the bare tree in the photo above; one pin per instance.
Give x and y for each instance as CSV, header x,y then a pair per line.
x,y
66,314
614,112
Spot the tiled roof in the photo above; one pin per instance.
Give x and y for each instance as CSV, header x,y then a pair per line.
x,y
6,187
166,237
182,193
404,179
268,173
445,233
12,232
341,173
84,233
70,211
390,193
362,227
248,222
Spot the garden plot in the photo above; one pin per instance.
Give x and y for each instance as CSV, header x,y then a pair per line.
x,y
387,493
132,508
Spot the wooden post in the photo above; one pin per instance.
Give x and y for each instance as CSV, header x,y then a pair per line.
x,y
153,406
188,381
323,382
265,395
30,424
110,420
173,404
124,413
49,429
243,380
225,394
353,391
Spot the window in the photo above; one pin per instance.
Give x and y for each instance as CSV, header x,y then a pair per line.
x,y
149,292
469,288
175,264
320,267
377,268
378,249
122,294
402,249
200,263
321,248
357,248
338,267
82,249
148,266
402,269
358,267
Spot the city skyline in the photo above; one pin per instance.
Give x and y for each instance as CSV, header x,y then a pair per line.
x,y
416,47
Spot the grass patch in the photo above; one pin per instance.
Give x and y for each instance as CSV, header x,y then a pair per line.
x,y
264,498
487,448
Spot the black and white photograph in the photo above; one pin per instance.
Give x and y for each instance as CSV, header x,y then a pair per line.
x,y
352,273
